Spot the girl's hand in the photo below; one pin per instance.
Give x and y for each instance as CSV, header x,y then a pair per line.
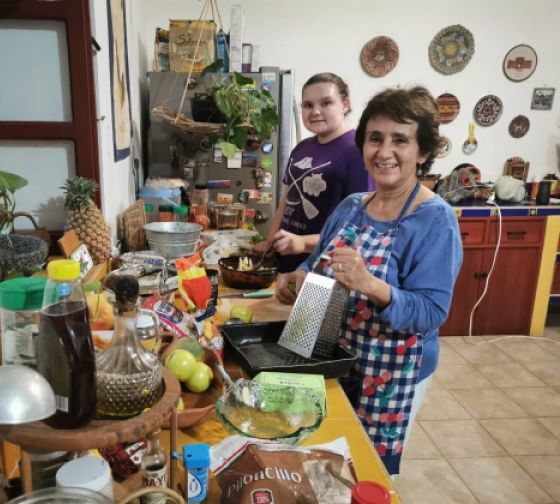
x,y
260,247
288,286
288,243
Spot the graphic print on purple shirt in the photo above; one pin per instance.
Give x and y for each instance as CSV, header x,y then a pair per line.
x,y
318,177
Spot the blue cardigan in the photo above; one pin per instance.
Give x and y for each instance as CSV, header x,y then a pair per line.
x,y
425,261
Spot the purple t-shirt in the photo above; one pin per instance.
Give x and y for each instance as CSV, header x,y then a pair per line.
x,y
318,177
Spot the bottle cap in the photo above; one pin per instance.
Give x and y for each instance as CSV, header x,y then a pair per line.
x,y
180,209
165,208
370,492
196,456
63,270
24,293
148,207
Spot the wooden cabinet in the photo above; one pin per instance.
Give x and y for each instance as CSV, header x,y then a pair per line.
x,y
507,305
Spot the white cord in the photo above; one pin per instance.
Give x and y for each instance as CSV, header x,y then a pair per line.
x,y
487,280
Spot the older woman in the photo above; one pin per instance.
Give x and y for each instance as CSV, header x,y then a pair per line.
x,y
398,250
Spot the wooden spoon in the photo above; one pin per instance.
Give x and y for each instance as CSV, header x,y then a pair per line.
x,y
470,144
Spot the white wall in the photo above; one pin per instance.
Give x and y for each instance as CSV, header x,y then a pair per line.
x,y
117,181
327,35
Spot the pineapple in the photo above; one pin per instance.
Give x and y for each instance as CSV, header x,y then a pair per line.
x,y
85,218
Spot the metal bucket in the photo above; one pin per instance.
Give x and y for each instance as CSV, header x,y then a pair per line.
x,y
173,239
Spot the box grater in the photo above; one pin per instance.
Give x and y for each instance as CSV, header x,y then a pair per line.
x,y
313,328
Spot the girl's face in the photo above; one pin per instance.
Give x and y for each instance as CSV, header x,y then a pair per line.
x,y
323,110
391,153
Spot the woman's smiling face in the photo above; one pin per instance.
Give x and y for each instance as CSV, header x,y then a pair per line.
x,y
391,152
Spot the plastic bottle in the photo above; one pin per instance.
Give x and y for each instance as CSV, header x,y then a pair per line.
x,y
196,461
150,214
65,354
222,51
154,470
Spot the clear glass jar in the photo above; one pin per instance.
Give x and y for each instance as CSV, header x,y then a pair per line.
x,y
129,378
165,213
20,307
181,213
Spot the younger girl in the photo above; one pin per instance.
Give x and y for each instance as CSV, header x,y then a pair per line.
x,y
321,172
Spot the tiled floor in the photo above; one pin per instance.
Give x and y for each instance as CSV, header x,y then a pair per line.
x,y
489,428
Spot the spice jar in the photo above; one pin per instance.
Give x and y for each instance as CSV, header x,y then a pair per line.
x,y
181,213
165,213
20,307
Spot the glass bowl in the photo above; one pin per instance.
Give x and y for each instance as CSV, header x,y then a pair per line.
x,y
272,412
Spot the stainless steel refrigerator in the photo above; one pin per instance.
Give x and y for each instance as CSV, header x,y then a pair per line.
x,y
258,180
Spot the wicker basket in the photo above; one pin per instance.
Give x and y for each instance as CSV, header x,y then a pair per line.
x,y
186,124
133,221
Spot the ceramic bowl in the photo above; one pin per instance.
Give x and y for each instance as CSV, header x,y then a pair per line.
x,y
259,279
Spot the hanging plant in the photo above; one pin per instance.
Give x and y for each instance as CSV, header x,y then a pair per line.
x,y
247,110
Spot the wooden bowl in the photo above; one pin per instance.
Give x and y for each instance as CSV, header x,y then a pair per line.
x,y
260,279
198,407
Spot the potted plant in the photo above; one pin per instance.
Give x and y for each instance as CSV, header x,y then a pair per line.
x,y
9,184
245,109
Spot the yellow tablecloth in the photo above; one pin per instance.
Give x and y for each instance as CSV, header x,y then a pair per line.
x,y
341,420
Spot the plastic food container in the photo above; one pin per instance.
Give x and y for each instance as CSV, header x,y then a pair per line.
x,y
89,472
20,306
157,197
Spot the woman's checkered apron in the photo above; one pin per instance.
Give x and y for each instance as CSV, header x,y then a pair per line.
x,y
388,361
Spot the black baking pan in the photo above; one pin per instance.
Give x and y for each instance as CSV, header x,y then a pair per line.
x,y
255,348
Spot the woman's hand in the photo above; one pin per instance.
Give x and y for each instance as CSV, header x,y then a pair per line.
x,y
288,286
288,243
350,270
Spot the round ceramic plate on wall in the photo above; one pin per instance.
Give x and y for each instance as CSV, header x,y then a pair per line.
x,y
519,126
448,107
520,63
451,49
487,110
445,147
379,56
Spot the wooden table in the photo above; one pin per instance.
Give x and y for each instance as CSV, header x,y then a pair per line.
x,y
97,433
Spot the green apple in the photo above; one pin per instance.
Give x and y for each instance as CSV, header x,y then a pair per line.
x,y
181,363
200,379
192,346
242,312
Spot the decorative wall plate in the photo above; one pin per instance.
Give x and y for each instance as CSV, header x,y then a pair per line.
x,y
445,147
487,110
448,107
520,63
519,126
379,56
451,49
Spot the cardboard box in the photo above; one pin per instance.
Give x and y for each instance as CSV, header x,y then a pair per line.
x,y
236,28
183,39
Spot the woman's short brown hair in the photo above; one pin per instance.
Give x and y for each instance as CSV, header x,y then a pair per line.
x,y
406,106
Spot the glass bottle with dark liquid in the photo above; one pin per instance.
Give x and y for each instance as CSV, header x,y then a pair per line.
x,y
65,354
